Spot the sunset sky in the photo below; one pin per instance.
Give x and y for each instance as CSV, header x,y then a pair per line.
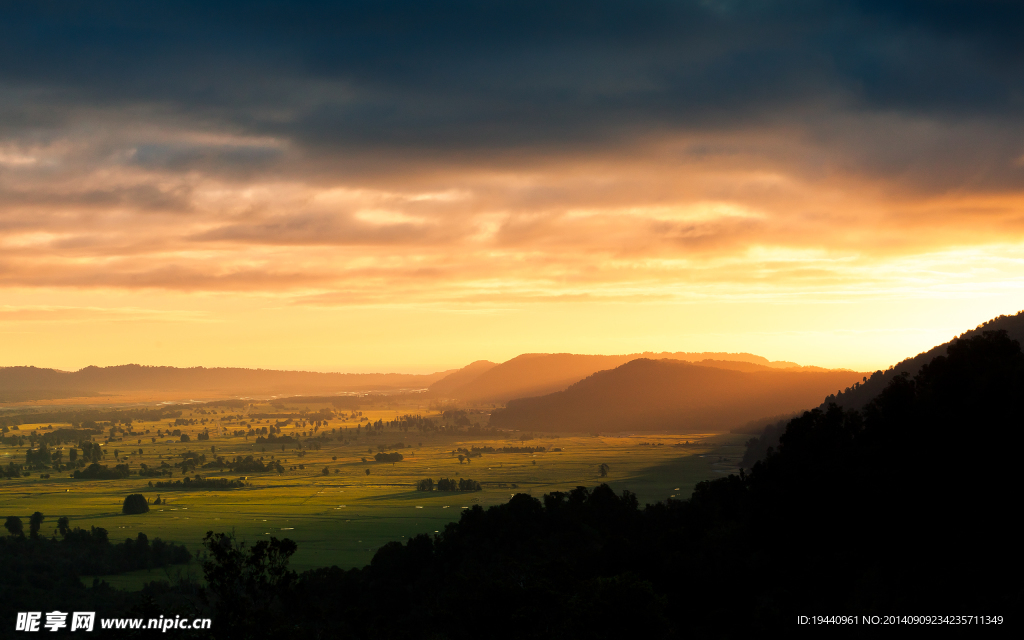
x,y
411,186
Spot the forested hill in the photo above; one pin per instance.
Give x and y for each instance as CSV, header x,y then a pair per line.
x,y
859,394
646,394
34,383
535,374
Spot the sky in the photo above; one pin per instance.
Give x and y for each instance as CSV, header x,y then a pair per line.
x,y
412,186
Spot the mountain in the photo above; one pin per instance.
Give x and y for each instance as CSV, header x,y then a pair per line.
x,y
646,394
460,377
480,381
33,383
534,374
859,394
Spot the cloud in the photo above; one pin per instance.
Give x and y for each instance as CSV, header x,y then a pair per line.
x,y
473,151
449,77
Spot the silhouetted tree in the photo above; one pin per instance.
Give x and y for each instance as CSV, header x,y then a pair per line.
x,y
245,583
14,526
134,504
35,522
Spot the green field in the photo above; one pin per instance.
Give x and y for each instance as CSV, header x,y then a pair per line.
x,y
342,518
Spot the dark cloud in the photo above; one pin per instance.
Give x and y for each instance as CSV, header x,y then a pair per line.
x,y
178,157
454,75
323,146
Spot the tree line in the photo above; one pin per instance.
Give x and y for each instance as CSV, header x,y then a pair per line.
x,y
448,484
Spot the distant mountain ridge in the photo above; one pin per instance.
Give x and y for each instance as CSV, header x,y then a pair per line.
x,y
536,374
526,375
31,383
859,394
665,394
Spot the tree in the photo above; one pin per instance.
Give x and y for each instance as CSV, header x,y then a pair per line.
x,y
367,472
63,525
134,504
35,521
245,583
14,526
602,470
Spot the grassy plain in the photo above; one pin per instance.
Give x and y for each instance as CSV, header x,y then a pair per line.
x,y
343,517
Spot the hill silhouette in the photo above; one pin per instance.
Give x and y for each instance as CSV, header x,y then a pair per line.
x,y
646,394
33,383
858,395
535,374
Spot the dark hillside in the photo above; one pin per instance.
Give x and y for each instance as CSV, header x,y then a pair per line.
x,y
859,394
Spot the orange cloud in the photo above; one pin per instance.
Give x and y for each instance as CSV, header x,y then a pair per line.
x,y
744,220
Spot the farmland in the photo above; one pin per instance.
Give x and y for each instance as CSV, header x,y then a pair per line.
x,y
343,516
